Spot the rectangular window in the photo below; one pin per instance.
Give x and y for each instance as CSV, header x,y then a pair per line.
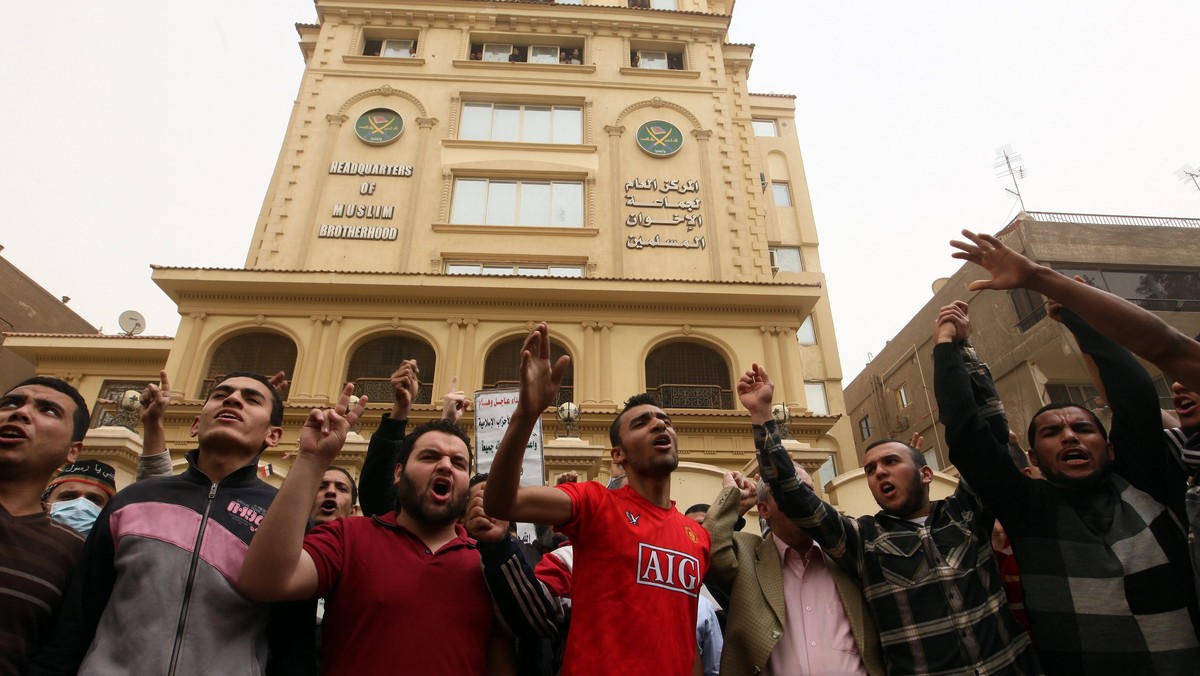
x,y
1078,394
786,259
481,201
543,54
783,193
662,4
826,472
390,48
531,124
653,60
521,269
815,393
806,335
931,459
1029,306
864,427
765,128
902,397
497,52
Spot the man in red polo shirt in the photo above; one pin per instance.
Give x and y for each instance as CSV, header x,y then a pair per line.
x,y
394,581
638,562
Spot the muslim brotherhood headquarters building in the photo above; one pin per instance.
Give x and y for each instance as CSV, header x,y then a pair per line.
x,y
455,170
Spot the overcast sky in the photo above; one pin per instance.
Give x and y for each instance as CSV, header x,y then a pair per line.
x,y
146,132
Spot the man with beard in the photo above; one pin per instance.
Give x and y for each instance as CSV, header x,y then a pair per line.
x,y
393,580
638,562
1103,558
926,567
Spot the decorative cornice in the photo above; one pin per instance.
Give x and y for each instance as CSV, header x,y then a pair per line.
x,y
385,90
657,102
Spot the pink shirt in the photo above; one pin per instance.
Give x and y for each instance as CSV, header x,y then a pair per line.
x,y
817,638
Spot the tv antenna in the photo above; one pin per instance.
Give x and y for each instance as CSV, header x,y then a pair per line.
x,y
1007,162
1187,173
132,322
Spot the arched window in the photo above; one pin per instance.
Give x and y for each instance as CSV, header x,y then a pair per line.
x,y
503,368
263,352
688,375
375,361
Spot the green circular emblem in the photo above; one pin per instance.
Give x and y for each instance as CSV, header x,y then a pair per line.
x,y
660,139
379,127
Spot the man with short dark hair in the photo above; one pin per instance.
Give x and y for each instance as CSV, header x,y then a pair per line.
x,y
42,425
393,580
925,566
1103,558
638,562
76,496
337,496
155,590
697,512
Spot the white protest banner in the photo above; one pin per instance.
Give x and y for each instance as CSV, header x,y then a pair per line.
x,y
493,409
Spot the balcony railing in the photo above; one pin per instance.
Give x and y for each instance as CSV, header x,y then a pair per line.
x,y
1105,219
693,396
379,390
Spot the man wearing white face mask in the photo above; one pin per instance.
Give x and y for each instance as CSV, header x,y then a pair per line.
x,y
76,496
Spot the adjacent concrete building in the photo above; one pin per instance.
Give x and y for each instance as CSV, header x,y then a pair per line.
x,y
455,170
1154,262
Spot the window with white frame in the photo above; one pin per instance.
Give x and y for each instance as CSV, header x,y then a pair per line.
x,y
656,55
815,393
806,335
494,51
395,48
931,459
543,54
782,192
520,269
482,201
786,259
512,122
902,396
765,128
662,4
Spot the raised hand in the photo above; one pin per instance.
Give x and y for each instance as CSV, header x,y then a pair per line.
x,y
324,432
280,382
454,402
481,526
747,490
918,441
570,477
755,391
952,323
1010,270
539,379
405,382
155,400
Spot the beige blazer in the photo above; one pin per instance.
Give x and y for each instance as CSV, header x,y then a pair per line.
x,y
748,566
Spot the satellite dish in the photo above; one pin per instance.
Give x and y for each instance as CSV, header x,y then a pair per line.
x,y
132,322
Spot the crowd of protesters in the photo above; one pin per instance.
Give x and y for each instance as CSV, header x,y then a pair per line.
x,y
1074,553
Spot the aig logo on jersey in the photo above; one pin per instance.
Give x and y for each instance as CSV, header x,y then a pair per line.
x,y
668,569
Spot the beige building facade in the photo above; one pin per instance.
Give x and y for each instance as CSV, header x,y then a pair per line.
x,y
1034,360
455,171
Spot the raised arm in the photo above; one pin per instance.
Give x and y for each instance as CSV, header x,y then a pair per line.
x,y
505,498
970,410
155,459
737,495
277,568
1137,329
1136,435
376,492
837,535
